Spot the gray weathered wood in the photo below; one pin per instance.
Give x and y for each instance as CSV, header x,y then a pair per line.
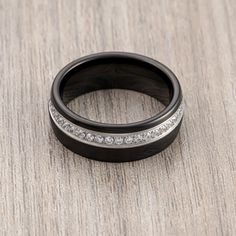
x,y
189,189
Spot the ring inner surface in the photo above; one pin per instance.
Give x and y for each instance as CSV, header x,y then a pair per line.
x,y
116,73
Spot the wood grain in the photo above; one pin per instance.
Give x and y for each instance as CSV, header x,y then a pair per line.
x,y
189,189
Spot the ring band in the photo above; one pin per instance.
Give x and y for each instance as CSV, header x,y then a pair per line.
x,y
116,142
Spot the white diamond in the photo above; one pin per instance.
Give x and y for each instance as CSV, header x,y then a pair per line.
x,y
158,131
72,128
109,140
89,137
65,125
161,130
52,109
153,134
118,140
138,138
56,116
60,121
147,135
79,133
98,139
165,127
174,118
128,140
69,128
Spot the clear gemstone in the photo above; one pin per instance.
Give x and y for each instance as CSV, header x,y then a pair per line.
x,y
153,134
161,130
98,139
109,140
147,135
65,125
128,140
118,140
138,138
174,118
56,116
52,109
168,124
165,127
158,131
79,133
89,137
60,121
69,128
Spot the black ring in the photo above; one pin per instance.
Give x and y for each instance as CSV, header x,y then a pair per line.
x,y
112,142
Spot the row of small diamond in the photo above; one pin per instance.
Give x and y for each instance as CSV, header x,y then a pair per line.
x,y
131,139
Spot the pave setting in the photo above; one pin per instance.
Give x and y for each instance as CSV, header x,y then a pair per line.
x,y
109,140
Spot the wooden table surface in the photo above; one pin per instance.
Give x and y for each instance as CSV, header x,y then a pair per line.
x,y
188,189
